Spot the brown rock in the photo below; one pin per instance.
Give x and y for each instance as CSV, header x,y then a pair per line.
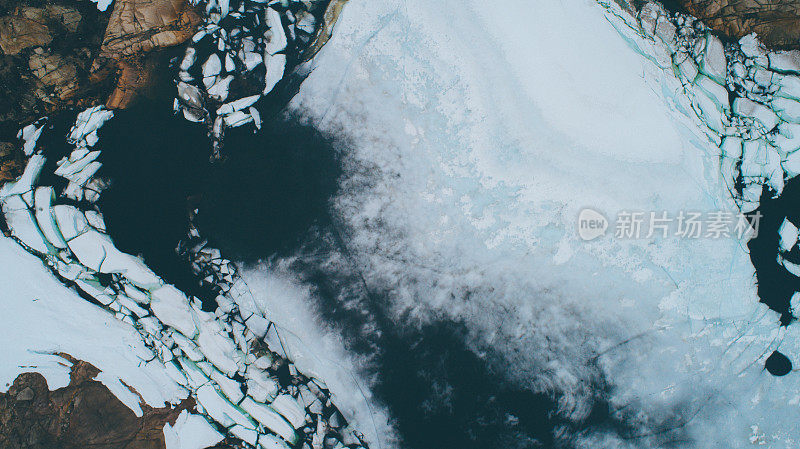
x,y
83,414
18,33
69,18
136,28
6,148
325,31
11,162
132,79
140,26
777,22
57,75
53,42
25,395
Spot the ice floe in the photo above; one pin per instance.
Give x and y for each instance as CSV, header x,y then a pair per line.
x,y
209,354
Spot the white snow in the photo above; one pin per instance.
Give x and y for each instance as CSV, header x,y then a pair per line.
x,y
43,199
88,122
41,317
270,419
788,235
486,130
30,134
276,64
102,5
277,37
237,105
172,308
190,432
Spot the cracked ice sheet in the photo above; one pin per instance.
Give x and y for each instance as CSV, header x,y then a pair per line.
x,y
40,316
487,130
316,348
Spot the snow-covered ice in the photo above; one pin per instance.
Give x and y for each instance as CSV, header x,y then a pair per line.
x,y
485,131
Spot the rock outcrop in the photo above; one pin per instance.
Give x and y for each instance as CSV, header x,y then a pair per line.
x,y
82,414
137,28
777,22
66,53
47,49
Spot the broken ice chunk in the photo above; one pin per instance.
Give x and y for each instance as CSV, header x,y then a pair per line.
x,y
238,118
276,37
213,343
211,69
792,164
30,134
260,386
256,117
69,169
220,409
43,200
717,93
251,60
27,180
89,121
23,224
188,347
307,24
752,47
219,91
288,407
238,105
188,59
131,305
172,308
788,235
224,7
91,248
788,137
709,112
230,388
96,220
131,267
189,432
732,147
71,221
212,66
84,175
785,61
102,5
748,108
270,419
787,109
276,65
789,87
715,65
249,436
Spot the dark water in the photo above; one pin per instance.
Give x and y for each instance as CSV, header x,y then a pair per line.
x,y
776,285
274,186
778,364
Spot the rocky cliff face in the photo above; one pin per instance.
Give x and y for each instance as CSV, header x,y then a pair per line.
x,y
137,28
66,53
777,22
